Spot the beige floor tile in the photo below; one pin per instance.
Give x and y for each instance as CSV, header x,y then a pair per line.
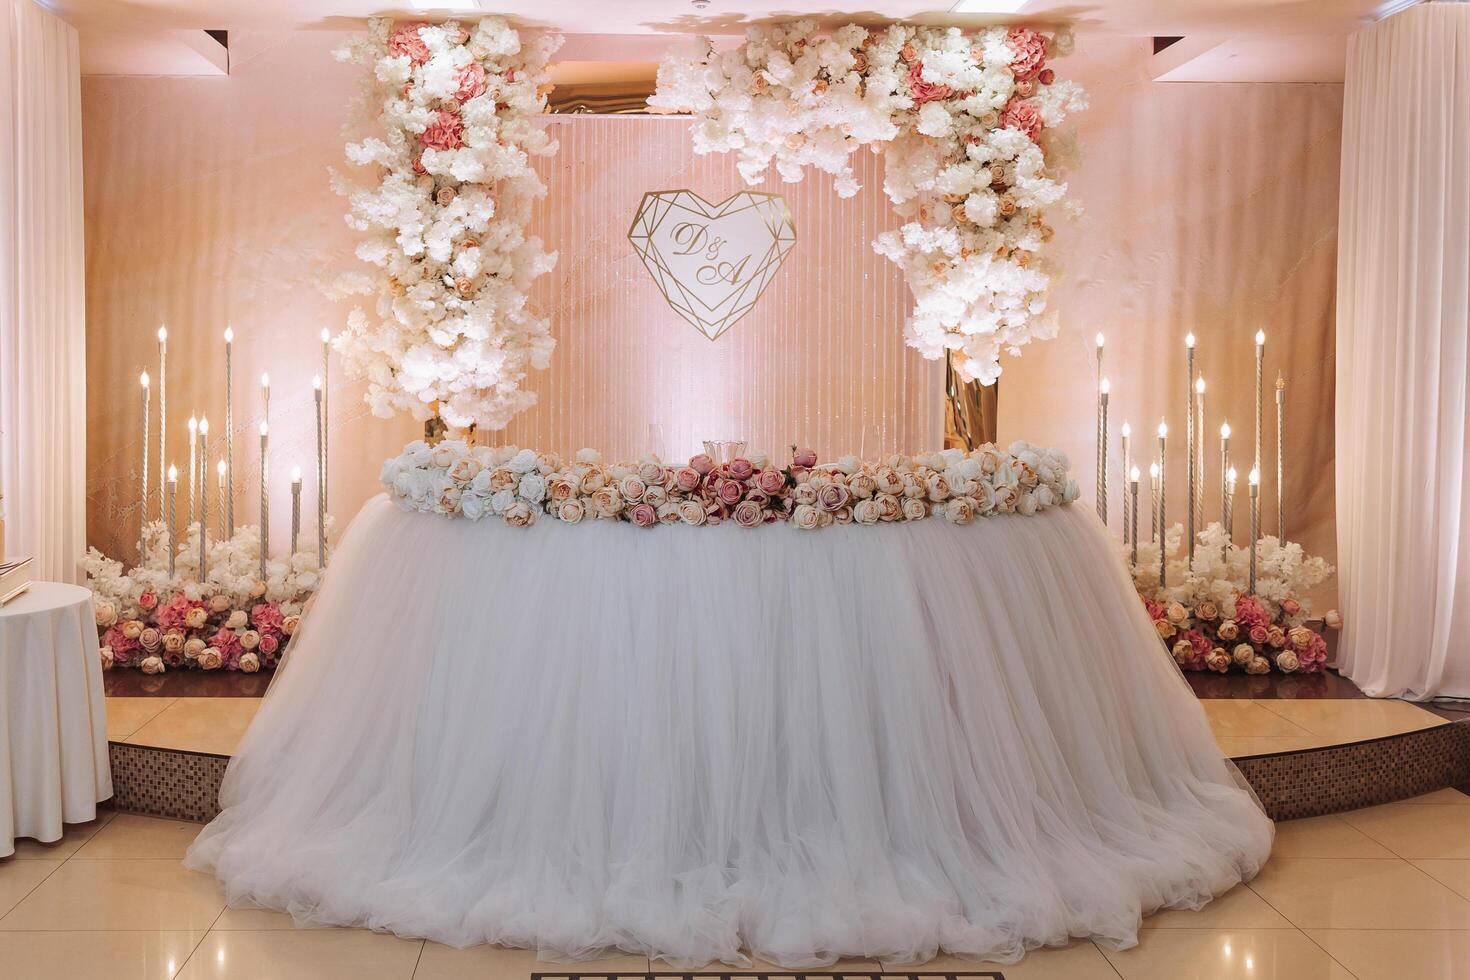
x,y
1353,719
1238,746
130,836
1352,893
19,878
127,895
199,725
348,954
127,715
1416,831
94,955
1079,961
499,963
257,919
1325,837
1388,954
1240,908
1225,954
73,836
1232,718
1454,875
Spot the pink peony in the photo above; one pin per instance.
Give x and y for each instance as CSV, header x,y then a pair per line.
x,y
1154,607
1028,51
644,515
172,615
147,600
471,81
804,458
446,132
1022,115
1249,612
227,642
123,649
771,481
405,41
1201,646
923,91
266,617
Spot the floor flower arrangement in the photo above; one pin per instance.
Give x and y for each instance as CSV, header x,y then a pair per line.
x,y
968,125
1209,617
234,619
520,486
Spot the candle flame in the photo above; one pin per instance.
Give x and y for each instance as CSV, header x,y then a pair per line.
x,y
1224,430
1163,430
1260,338
1099,340
265,380
264,429
1254,476
173,474
221,468
193,424
1189,341
316,382
1133,474
1104,387
1230,475
204,426
326,335
229,335
1127,430
1199,386
1153,471
295,474
162,334
143,379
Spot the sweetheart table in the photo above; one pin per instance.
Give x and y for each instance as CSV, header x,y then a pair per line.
x,y
707,743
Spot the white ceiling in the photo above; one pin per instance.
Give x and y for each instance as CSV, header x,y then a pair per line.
x,y
129,36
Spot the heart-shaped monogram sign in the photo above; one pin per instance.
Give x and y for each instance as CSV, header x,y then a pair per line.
x,y
712,261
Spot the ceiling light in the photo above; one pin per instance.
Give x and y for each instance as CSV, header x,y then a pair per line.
x,y
444,4
988,6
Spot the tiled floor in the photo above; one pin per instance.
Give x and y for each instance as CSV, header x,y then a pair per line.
x,y
1378,894
1242,726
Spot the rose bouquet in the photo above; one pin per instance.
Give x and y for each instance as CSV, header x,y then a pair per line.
x,y
455,479
974,156
1211,620
233,620
446,220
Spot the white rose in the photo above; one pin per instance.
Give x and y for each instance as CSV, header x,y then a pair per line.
x,y
849,464
523,462
503,500
533,487
806,517
914,509
472,505
588,456
236,619
1044,497
1027,504
417,453
107,658
104,612
866,511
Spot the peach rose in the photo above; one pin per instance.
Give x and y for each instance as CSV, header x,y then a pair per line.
x,y
1259,665
748,513
571,511
219,602
173,641
209,659
1276,636
960,510
770,480
1164,628
1228,630
150,639
107,659
915,509
151,665
133,628
632,489
290,625
250,639
1243,654
193,647
1218,660
519,514
1176,613
1207,611
236,620
1290,606
889,507
147,600
1287,662
691,512
249,663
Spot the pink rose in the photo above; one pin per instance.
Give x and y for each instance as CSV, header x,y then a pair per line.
x,y
405,41
1288,606
687,479
702,464
805,458
729,492
470,80
1028,51
833,496
269,645
1047,76
1022,115
150,639
1259,634
923,91
148,600
748,513
446,132
741,469
644,515
771,481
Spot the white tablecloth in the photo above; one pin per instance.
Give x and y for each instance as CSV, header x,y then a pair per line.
x,y
53,717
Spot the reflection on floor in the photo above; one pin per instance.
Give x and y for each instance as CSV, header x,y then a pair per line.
x,y
1378,894
1242,727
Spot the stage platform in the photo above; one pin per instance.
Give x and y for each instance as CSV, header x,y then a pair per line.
x,y
1309,745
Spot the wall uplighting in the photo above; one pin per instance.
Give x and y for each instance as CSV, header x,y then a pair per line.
x,y
988,6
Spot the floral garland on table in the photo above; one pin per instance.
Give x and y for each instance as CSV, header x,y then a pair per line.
x,y
1210,620
973,158
234,620
521,485
447,220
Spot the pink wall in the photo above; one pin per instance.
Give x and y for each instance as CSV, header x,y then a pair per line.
x,y
1209,206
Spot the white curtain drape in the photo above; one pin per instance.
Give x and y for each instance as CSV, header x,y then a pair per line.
x,y
42,307
1403,317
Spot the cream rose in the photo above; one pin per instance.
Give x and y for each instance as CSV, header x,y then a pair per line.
x,y
209,659
806,517
915,509
151,665
236,620
571,511
691,512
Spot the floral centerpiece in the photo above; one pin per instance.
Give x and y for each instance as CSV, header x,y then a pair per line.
x,y
1210,619
154,621
454,335
521,485
973,155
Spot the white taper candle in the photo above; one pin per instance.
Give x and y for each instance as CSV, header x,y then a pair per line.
x,y
295,506
265,522
203,499
227,492
162,411
143,511
1189,447
173,492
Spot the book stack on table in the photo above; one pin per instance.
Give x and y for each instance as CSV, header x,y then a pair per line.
x,y
15,578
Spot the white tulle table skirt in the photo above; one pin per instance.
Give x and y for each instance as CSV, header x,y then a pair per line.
x,y
697,743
